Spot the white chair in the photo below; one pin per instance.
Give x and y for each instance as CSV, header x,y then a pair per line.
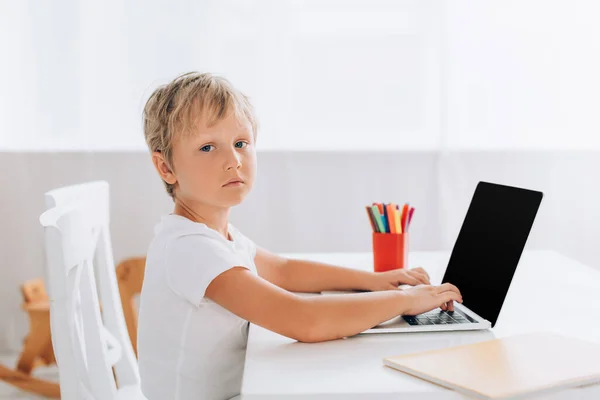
x,y
87,343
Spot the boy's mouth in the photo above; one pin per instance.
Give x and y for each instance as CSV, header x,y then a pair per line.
x,y
234,182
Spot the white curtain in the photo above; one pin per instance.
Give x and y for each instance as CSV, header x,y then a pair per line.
x,y
522,74
333,75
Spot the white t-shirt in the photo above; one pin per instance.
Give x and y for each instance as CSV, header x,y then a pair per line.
x,y
189,347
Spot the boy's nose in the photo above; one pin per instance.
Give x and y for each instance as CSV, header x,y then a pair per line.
x,y
233,161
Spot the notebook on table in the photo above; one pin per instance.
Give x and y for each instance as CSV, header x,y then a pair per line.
x,y
515,367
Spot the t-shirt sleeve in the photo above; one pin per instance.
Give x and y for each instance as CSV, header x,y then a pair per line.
x,y
252,247
193,261
249,245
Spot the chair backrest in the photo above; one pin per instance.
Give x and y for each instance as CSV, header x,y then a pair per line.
x,y
87,342
94,194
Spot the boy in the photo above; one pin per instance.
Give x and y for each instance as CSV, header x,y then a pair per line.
x,y
205,281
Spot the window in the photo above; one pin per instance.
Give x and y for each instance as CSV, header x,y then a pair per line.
x,y
332,75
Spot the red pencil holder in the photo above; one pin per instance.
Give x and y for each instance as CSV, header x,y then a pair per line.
x,y
390,251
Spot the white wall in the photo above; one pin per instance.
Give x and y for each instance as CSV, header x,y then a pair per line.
x,y
520,74
320,73
302,202
411,74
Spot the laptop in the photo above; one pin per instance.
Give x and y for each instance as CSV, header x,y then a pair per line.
x,y
482,263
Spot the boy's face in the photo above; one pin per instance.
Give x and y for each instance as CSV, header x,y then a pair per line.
x,y
206,161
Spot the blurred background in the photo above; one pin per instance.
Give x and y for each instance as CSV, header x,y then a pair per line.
x,y
359,101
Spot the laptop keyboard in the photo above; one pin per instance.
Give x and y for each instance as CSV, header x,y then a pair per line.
x,y
438,317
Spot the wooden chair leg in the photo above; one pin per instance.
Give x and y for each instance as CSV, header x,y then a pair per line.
x,y
38,343
130,276
29,383
38,349
47,356
130,316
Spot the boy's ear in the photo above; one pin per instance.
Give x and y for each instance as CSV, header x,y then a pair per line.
x,y
163,168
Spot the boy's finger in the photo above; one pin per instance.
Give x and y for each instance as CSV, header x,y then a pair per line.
x,y
421,277
450,306
449,296
448,287
413,280
422,271
408,278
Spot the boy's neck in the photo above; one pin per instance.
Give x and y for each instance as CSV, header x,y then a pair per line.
x,y
215,218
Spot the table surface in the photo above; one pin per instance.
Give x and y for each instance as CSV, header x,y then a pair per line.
x,y
549,292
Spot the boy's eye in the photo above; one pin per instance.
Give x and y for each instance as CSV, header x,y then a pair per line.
x,y
206,148
241,145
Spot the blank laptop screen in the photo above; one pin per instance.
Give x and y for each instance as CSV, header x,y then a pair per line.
x,y
490,244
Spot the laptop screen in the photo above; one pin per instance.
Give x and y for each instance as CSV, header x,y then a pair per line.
x,y
489,245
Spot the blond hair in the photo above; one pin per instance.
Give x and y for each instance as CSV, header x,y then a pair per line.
x,y
174,109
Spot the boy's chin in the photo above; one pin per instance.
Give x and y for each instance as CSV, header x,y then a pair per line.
x,y
232,201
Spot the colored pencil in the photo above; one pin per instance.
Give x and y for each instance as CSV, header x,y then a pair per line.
x,y
371,218
378,221
391,218
410,215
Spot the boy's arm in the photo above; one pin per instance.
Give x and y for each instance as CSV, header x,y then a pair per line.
x,y
301,318
319,318
312,277
309,276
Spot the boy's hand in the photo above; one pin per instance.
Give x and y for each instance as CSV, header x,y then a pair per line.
x,y
420,299
390,280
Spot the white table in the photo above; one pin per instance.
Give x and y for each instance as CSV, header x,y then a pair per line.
x,y
549,292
